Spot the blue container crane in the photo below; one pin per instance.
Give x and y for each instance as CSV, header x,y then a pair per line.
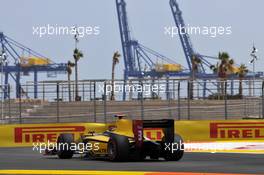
x,y
12,52
189,50
139,59
187,46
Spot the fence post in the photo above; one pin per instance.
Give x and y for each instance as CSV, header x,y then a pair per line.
x,y
83,92
204,89
62,92
179,100
90,90
105,101
9,103
173,89
225,100
232,87
169,103
142,105
188,108
43,91
20,104
94,99
262,99
141,100
167,88
58,101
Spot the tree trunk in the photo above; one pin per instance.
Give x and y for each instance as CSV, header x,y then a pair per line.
x,y
153,94
222,85
218,89
240,88
77,98
112,83
69,86
222,75
191,85
191,90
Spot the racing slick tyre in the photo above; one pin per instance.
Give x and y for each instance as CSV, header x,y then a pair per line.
x,y
176,155
63,145
118,148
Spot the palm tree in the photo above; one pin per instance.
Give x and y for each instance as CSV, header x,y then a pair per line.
x,y
223,68
69,71
77,54
115,61
225,64
196,61
242,71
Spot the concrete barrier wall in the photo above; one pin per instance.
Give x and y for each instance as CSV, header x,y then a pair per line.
x,y
191,131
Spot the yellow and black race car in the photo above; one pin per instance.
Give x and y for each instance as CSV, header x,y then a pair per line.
x,y
125,141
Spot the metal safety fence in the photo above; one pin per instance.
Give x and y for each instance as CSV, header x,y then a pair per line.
x,y
101,100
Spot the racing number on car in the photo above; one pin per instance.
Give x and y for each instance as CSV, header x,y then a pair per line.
x,y
140,135
138,132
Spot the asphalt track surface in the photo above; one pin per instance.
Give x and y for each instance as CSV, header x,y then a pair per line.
x,y
25,158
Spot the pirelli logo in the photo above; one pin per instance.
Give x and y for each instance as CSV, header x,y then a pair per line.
x,y
154,134
43,134
237,130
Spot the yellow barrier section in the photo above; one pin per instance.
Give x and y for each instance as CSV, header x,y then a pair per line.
x,y
27,134
220,130
192,131
82,172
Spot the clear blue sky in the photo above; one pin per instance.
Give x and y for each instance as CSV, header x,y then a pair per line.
x,y
147,19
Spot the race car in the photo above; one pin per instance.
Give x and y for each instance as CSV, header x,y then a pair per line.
x,y
124,141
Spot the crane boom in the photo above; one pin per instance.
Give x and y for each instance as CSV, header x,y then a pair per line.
x,y
184,37
139,59
127,43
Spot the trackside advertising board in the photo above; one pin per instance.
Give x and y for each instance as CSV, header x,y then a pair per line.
x,y
27,134
221,130
191,131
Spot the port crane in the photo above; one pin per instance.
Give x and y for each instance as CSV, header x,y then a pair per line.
x,y
189,50
139,60
136,55
187,46
14,64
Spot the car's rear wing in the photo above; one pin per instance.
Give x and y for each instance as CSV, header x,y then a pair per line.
x,y
167,126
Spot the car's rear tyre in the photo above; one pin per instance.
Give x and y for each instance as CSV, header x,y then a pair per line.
x,y
175,155
63,145
118,148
